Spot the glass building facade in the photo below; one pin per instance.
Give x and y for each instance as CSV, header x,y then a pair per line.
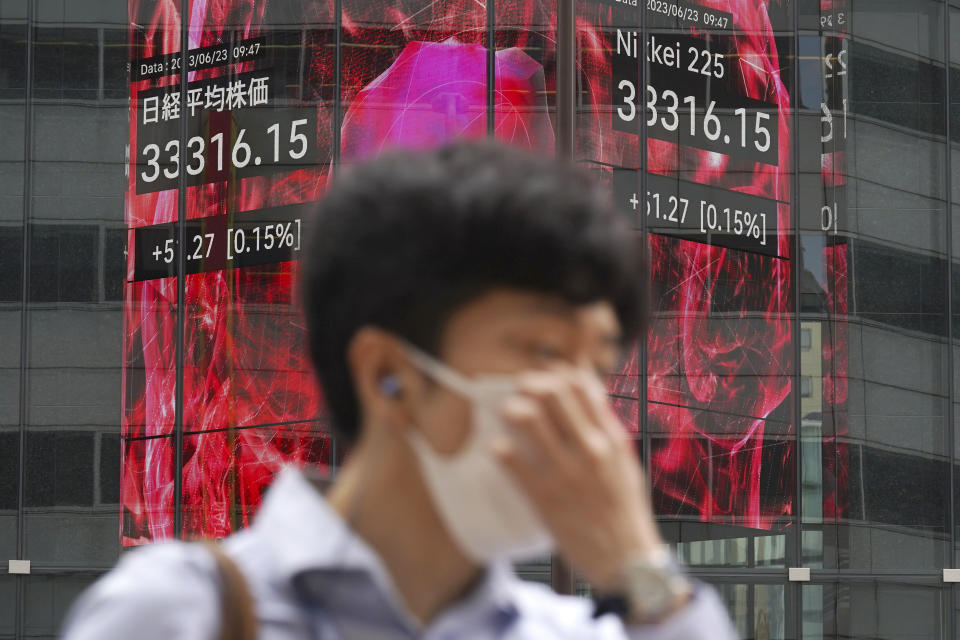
x,y
794,166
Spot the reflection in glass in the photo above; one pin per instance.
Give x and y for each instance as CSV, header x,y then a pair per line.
x,y
758,610
873,280
754,551
874,429
872,610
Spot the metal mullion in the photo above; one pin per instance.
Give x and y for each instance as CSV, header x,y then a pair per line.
x,y
950,618
97,462
949,239
491,68
643,344
101,42
101,263
775,575
302,63
23,414
566,84
744,575
181,282
337,82
561,577
797,593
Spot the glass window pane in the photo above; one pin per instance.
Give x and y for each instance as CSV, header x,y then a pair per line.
x,y
66,523
7,602
48,599
758,611
874,610
59,469
77,157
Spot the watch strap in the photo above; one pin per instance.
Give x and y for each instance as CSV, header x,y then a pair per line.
x,y
615,603
631,606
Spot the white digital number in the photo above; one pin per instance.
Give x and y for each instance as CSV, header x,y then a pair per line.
x,y
240,146
296,138
629,100
274,130
671,110
762,132
651,104
826,123
218,138
241,153
152,163
197,154
711,123
173,145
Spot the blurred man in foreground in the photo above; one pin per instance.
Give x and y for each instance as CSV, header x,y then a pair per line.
x,y
462,306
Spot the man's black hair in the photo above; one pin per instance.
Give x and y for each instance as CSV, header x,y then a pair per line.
x,y
404,241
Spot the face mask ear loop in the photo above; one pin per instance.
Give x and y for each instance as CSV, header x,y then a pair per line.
x,y
438,371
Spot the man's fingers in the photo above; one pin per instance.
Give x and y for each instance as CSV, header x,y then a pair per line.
x,y
592,396
533,435
555,393
577,405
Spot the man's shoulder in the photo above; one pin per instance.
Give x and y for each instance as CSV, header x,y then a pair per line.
x,y
161,568
163,590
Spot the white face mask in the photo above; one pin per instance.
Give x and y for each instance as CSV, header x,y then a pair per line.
x,y
483,508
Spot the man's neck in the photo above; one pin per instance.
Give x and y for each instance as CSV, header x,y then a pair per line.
x,y
380,493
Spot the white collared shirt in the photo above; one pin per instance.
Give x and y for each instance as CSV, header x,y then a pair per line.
x,y
313,578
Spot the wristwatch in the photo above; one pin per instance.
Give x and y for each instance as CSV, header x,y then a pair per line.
x,y
653,582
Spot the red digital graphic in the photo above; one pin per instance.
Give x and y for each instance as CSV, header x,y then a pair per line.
x,y
720,355
719,358
244,361
262,137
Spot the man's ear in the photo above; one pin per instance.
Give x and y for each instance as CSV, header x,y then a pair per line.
x,y
383,378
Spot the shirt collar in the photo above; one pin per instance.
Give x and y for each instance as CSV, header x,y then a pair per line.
x,y
492,601
306,535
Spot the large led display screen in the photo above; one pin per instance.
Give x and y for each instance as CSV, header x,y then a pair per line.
x,y
718,192
684,108
691,122
257,116
262,98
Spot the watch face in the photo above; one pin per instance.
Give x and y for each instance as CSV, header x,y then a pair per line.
x,y
650,590
654,584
